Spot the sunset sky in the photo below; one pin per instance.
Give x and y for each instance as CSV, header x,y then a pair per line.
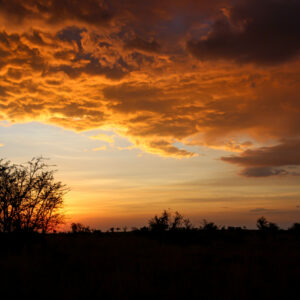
x,y
164,104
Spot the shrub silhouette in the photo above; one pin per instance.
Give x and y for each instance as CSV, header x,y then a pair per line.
x,y
160,224
30,198
79,228
264,225
169,222
273,227
177,221
295,228
209,226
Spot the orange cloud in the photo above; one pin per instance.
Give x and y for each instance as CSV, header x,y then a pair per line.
x,y
103,137
102,148
128,66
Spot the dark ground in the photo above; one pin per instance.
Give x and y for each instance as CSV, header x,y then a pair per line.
x,y
218,265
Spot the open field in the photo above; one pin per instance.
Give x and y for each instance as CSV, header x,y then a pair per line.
x,y
217,265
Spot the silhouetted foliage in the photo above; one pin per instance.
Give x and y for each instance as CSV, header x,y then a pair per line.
x,y
30,198
209,226
177,221
233,228
144,229
264,225
187,224
159,224
273,227
79,228
168,221
295,228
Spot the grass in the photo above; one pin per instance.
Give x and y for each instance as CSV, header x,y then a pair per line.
x,y
219,265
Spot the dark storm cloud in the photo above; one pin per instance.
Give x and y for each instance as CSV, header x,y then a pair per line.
x,y
143,45
263,162
70,34
94,12
259,31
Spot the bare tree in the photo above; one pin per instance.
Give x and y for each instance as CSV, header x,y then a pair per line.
x,y
30,199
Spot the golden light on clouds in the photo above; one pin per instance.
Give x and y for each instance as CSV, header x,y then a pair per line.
x,y
217,74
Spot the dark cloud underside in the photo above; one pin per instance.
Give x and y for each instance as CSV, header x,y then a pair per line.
x,y
128,65
260,31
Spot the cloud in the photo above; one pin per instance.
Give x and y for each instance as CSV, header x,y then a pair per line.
x,y
103,137
56,11
14,52
124,65
265,161
131,98
260,31
102,148
261,210
286,153
143,45
70,34
262,172
165,148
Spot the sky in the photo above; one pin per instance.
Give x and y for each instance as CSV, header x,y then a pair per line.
x,y
142,106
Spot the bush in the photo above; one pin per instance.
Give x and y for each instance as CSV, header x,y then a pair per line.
x,y
167,221
30,199
264,225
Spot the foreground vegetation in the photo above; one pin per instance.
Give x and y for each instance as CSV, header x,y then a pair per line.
x,y
221,264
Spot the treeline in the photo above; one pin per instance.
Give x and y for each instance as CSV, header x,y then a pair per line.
x,y
169,222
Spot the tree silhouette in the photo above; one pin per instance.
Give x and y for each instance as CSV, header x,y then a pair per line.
x,y
30,198
168,221
295,228
263,224
79,228
177,221
209,226
161,223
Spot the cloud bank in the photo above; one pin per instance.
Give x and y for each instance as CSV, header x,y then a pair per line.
x,y
220,74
